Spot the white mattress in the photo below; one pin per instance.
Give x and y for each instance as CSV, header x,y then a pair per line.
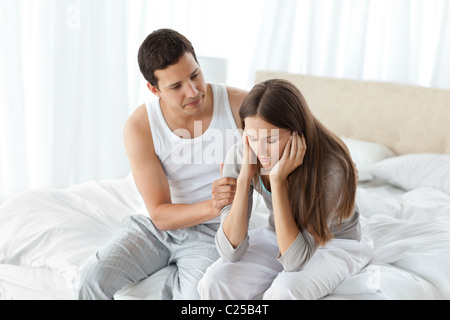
x,y
47,236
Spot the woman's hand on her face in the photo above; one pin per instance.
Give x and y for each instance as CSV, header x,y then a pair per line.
x,y
249,161
292,158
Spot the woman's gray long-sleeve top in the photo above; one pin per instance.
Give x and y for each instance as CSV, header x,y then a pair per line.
x,y
304,245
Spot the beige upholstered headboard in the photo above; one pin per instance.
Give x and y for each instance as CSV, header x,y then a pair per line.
x,y
407,119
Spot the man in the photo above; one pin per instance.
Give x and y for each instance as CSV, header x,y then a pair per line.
x,y
166,141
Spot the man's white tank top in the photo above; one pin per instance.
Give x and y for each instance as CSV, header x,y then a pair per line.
x,y
191,165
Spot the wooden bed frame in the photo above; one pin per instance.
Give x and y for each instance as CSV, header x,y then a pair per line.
x,y
407,119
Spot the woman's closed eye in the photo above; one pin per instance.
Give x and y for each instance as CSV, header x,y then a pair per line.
x,y
269,141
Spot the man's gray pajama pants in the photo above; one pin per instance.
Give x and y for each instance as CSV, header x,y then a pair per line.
x,y
139,249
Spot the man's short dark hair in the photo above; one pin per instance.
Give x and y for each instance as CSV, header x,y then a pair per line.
x,y
161,49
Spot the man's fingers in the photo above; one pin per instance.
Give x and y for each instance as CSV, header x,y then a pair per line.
x,y
225,181
224,188
224,196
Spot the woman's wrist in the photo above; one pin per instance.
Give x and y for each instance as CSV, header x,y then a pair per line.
x,y
276,180
244,180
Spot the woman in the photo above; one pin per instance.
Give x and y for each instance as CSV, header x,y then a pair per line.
x,y
308,181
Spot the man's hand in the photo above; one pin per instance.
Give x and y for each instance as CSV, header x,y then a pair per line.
x,y
223,191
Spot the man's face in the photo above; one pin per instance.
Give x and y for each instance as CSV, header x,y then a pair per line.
x,y
182,86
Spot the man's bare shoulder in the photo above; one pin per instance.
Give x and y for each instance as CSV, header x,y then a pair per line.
x,y
236,96
137,133
137,122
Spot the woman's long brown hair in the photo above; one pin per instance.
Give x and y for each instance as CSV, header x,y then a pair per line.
x,y
281,103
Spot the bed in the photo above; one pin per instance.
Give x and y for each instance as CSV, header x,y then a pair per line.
x,y
399,139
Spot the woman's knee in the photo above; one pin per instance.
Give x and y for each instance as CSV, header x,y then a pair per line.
x,y
294,286
214,284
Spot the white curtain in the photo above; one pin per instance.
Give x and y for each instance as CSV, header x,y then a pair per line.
x,y
69,77
406,41
65,94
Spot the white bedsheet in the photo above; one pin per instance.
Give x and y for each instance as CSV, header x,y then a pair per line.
x,y
47,236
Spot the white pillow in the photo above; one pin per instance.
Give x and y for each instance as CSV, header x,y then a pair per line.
x,y
415,171
365,153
